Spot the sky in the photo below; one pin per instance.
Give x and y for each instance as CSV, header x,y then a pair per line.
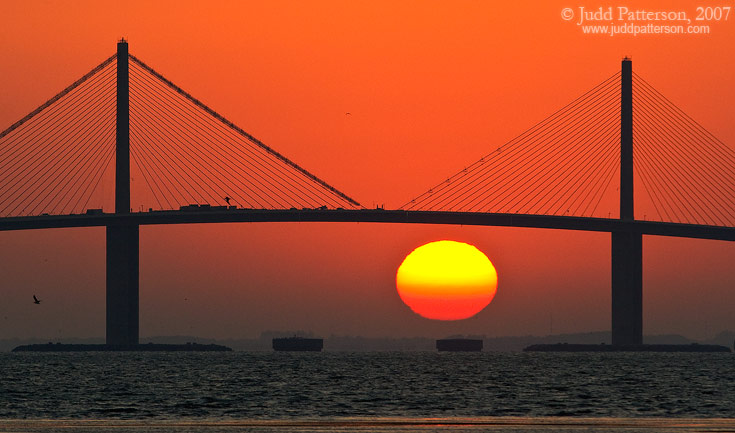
x,y
431,86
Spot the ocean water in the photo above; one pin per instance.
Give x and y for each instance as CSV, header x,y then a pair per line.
x,y
332,391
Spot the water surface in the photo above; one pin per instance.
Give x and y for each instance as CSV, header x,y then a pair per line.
x,y
423,391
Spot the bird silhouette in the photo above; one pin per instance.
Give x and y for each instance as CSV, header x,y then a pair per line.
x,y
36,300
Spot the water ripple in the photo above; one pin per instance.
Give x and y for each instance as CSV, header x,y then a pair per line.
x,y
278,386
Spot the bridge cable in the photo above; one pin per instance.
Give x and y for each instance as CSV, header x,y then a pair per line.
x,y
541,134
64,157
95,130
600,129
684,137
541,128
165,136
575,178
649,171
711,159
83,183
596,174
713,162
172,111
544,167
142,157
144,172
157,152
41,172
684,178
58,96
519,140
615,168
652,193
80,163
709,193
180,110
183,125
665,166
724,150
15,142
47,137
243,133
44,133
554,127
100,174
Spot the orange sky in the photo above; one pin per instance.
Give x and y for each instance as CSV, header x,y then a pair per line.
x,y
431,87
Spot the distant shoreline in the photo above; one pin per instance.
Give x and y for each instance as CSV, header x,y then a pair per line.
x,y
354,343
564,347
150,347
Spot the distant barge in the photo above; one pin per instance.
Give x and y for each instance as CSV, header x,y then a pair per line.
x,y
459,345
150,347
298,344
563,347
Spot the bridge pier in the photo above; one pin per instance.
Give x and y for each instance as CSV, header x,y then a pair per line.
x,y
122,240
122,284
627,246
627,288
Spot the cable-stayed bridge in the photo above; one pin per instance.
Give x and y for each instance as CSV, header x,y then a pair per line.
x,y
70,162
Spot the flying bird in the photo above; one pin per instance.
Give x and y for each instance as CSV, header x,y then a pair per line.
x,y
36,300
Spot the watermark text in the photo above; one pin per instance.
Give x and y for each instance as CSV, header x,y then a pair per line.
x,y
624,20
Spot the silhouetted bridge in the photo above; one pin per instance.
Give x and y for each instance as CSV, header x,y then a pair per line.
x,y
370,216
554,175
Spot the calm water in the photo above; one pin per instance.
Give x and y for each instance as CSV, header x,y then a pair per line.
x,y
366,392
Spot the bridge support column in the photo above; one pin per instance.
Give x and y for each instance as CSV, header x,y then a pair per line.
x,y
122,284
122,240
626,141
122,136
627,247
627,288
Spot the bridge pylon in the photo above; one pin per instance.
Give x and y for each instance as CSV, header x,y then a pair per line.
x,y
627,246
122,239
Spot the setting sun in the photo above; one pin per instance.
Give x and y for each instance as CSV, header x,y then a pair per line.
x,y
446,280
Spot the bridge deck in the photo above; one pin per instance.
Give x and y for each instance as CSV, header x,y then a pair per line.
x,y
369,216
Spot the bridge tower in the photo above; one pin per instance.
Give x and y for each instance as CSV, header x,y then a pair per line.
x,y
627,245
122,238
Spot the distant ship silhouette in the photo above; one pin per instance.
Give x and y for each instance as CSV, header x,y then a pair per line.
x,y
298,344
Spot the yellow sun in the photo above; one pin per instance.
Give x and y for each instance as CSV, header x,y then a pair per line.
x,y
446,280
